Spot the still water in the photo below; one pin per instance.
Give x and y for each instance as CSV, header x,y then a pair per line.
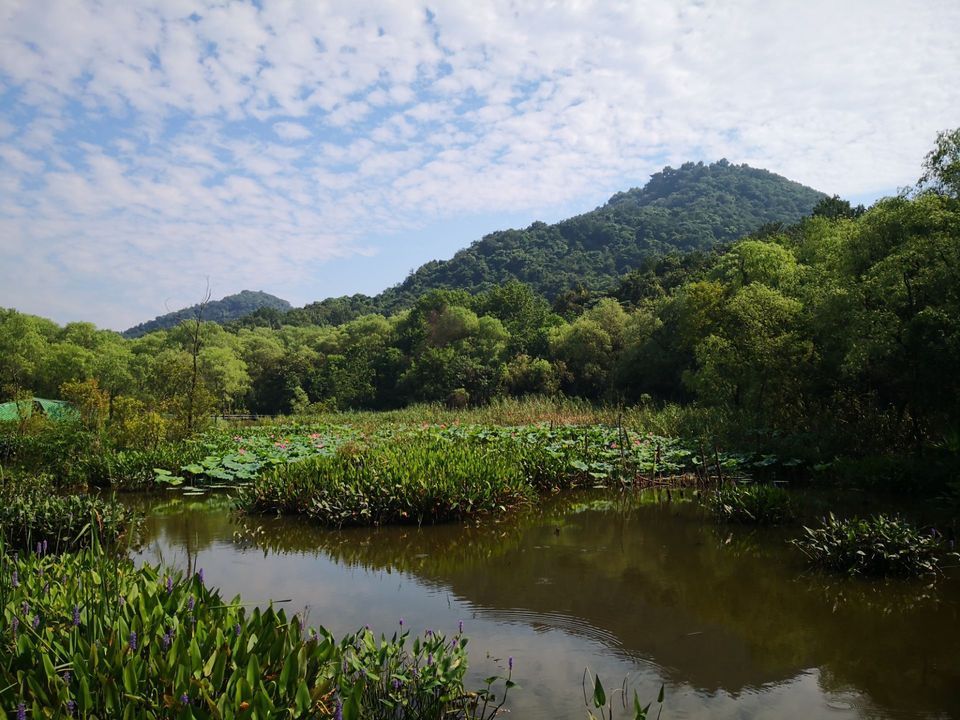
x,y
637,588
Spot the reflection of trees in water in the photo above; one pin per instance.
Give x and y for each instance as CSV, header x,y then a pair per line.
x,y
190,524
433,551
718,607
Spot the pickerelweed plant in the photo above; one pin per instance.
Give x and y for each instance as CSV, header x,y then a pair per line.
x,y
90,635
434,474
32,514
421,479
875,546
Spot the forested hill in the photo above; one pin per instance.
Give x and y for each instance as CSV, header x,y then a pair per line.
x,y
691,207
232,307
688,208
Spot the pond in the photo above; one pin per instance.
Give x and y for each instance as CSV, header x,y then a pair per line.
x,y
639,588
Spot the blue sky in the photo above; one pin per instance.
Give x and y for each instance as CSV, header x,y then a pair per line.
x,y
321,148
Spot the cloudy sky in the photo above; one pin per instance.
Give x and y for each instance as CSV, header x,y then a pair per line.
x,y
321,148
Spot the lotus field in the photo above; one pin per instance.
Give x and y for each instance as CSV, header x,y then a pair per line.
x,y
342,475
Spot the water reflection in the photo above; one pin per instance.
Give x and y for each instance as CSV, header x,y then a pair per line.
x,y
632,586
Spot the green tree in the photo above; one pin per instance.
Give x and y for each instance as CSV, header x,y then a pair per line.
x,y
941,167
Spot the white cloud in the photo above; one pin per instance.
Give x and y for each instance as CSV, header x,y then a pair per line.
x,y
291,131
259,141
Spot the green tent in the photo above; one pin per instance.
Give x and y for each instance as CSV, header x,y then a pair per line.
x,y
53,409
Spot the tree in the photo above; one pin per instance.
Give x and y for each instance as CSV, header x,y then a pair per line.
x,y
89,400
941,167
834,208
196,344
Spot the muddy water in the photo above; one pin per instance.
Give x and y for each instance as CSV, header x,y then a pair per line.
x,y
637,588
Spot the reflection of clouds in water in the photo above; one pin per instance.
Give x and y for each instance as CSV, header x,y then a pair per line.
x,y
736,633
799,698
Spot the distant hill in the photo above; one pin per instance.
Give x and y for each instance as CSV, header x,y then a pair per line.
x,y
232,307
693,207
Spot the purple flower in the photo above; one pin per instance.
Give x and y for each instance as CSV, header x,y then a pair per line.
x,y
338,711
169,584
123,601
21,712
36,622
397,684
15,580
15,623
184,699
236,629
401,622
510,664
39,548
66,677
76,615
132,642
44,547
190,603
461,627
167,640
429,633
200,575
430,659
25,608
71,707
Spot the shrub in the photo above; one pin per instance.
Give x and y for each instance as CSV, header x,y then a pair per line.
x,y
876,546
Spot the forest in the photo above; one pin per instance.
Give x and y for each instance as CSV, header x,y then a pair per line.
x,y
840,331
715,397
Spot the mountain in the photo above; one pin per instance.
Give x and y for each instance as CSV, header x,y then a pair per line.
x,y
232,307
693,207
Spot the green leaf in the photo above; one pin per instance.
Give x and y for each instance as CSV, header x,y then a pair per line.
x,y
599,696
253,672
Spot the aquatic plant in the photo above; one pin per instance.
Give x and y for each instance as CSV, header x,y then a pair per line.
x,y
874,546
604,703
753,504
428,474
90,633
31,513
423,479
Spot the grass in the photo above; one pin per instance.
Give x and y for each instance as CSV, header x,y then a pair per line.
x,y
108,639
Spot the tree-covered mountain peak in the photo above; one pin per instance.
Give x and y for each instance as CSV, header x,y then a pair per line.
x,y
227,309
693,207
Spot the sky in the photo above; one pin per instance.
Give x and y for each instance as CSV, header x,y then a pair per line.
x,y
320,148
